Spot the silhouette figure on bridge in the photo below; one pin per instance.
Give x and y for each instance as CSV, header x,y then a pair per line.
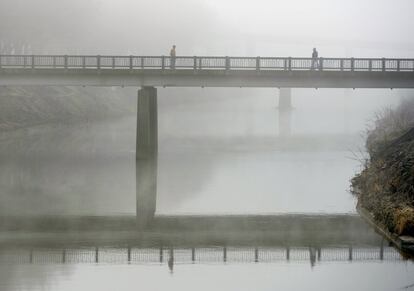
x,y
315,63
172,57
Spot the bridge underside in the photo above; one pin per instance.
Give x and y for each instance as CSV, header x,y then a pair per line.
x,y
206,78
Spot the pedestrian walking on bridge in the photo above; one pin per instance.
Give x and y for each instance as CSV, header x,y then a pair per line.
x,y
172,57
315,62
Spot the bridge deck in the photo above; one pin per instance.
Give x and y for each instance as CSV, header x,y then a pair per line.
x,y
206,71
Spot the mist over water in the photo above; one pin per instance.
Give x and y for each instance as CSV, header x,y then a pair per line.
x,y
217,155
241,196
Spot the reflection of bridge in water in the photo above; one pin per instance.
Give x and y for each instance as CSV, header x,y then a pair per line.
x,y
148,237
147,230
177,255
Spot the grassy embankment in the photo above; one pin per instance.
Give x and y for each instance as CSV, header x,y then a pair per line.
x,y
31,105
385,187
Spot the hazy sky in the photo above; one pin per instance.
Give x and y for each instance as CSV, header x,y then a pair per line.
x,y
219,27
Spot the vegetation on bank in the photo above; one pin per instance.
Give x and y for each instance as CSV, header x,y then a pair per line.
x,y
385,187
32,105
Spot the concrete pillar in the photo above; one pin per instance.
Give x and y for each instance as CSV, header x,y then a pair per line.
x,y
146,190
147,123
285,111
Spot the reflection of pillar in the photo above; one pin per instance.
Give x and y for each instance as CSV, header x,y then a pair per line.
x,y
312,256
146,190
147,122
171,260
285,111
347,97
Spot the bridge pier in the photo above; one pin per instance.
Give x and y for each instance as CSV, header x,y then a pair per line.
x,y
285,111
147,123
146,155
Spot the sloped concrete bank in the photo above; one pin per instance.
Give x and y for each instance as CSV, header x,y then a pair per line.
x,y
33,105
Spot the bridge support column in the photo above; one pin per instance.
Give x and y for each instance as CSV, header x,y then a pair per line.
x,y
285,111
146,156
147,123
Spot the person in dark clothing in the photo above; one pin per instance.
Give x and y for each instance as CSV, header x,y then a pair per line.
x,y
315,63
172,57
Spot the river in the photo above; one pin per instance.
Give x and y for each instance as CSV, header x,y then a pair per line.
x,y
89,170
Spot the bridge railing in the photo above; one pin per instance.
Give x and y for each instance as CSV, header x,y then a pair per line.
x,y
205,63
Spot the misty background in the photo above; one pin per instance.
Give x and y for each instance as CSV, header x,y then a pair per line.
x,y
234,28
241,120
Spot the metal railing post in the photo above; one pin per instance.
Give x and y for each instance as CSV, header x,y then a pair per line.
x,y
352,64
258,64
113,63
290,63
383,64
65,64
342,64
320,64
195,63
142,63
370,65
200,63
398,65
227,63
162,63
84,62
33,62
285,64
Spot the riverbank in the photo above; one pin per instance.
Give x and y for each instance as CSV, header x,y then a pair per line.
x,y
26,106
385,187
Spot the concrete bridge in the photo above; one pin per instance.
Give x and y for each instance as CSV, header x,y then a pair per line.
x,y
204,71
149,72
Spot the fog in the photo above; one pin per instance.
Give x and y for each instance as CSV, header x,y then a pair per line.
x,y
200,27
236,177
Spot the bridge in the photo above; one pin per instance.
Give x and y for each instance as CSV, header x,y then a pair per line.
x,y
205,71
149,72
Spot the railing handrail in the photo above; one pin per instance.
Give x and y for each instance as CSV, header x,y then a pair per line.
x,y
206,57
258,63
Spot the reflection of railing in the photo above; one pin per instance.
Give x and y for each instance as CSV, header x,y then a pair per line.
x,y
205,63
197,255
